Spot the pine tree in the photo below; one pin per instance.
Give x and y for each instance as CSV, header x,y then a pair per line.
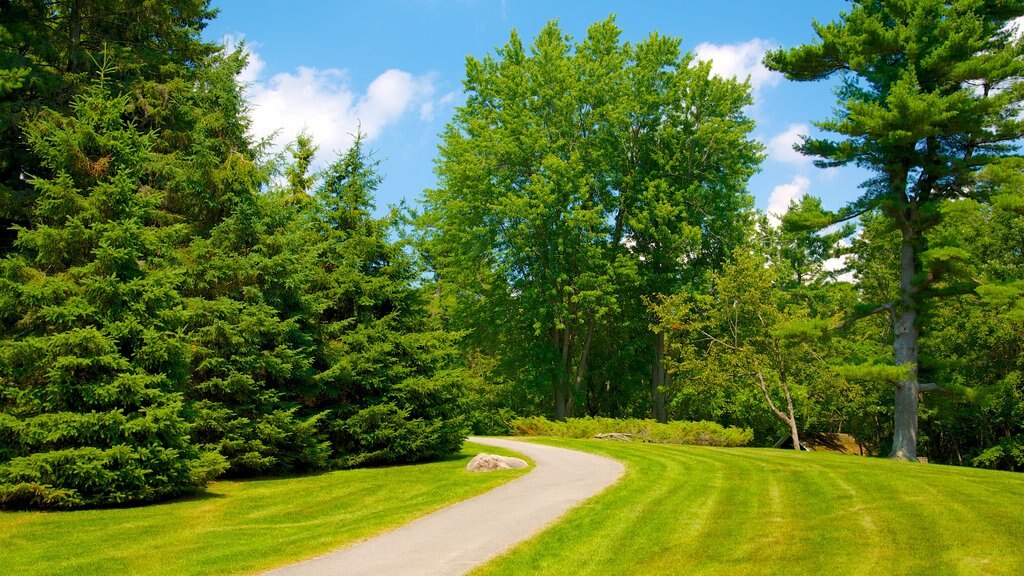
x,y
931,94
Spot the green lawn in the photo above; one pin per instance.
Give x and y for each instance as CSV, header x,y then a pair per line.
x,y
237,527
733,511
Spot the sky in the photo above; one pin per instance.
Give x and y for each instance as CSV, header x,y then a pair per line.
x,y
394,68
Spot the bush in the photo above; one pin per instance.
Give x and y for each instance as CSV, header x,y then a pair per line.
x,y
1008,454
679,432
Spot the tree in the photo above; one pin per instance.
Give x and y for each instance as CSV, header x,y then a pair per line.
x,y
389,376
577,180
93,360
49,52
973,345
931,94
754,339
311,344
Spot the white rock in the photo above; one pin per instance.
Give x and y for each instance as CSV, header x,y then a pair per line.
x,y
487,462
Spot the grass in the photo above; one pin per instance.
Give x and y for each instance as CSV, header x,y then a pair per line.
x,y
734,511
238,527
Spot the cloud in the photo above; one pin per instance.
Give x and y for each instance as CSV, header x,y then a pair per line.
x,y
1017,27
780,147
740,60
325,104
838,263
782,195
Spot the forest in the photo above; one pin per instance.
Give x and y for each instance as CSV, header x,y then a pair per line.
x,y
180,303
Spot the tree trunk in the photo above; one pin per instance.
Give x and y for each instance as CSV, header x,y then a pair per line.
x,y
658,380
583,366
789,417
561,399
562,343
75,38
793,432
904,442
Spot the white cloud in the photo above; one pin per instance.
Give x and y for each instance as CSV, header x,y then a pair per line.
x,y
326,105
427,111
778,202
449,98
780,147
1017,26
838,263
429,108
740,60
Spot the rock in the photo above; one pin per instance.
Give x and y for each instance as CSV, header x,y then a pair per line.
x,y
488,462
620,436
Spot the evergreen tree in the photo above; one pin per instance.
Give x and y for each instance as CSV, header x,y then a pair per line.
x,y
49,51
249,318
93,359
392,379
931,93
312,346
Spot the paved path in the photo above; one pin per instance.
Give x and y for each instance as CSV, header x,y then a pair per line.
x,y
457,539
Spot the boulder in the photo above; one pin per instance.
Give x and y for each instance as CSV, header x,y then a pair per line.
x,y
620,436
487,462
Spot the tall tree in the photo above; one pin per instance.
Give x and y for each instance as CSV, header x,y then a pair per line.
x,y
389,377
48,52
92,359
931,94
576,180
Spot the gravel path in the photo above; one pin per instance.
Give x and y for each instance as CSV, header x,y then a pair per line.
x,y
461,537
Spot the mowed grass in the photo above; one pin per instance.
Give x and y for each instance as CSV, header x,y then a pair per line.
x,y
238,527
733,511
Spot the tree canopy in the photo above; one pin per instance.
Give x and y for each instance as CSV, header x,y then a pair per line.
x,y
578,180
931,94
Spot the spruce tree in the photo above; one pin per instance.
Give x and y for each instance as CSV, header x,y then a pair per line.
x,y
391,377
93,362
47,55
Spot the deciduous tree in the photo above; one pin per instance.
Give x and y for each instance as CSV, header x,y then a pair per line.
x,y
577,180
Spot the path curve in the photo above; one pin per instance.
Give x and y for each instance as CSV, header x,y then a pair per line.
x,y
457,539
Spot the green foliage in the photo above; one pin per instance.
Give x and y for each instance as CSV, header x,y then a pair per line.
x,y
676,432
93,360
930,97
1008,454
163,320
150,50
877,372
572,183
757,351
312,345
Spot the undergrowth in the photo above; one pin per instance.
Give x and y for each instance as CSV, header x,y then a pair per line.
x,y
679,432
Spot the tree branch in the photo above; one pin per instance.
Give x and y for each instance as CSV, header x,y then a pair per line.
x,y
962,289
883,308
764,388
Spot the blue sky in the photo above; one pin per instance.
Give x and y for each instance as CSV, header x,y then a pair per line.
x,y
396,69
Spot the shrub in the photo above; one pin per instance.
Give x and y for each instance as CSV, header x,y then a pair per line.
x,y
679,432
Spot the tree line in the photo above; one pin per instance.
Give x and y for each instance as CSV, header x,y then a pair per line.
x,y
172,311
178,303
592,233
